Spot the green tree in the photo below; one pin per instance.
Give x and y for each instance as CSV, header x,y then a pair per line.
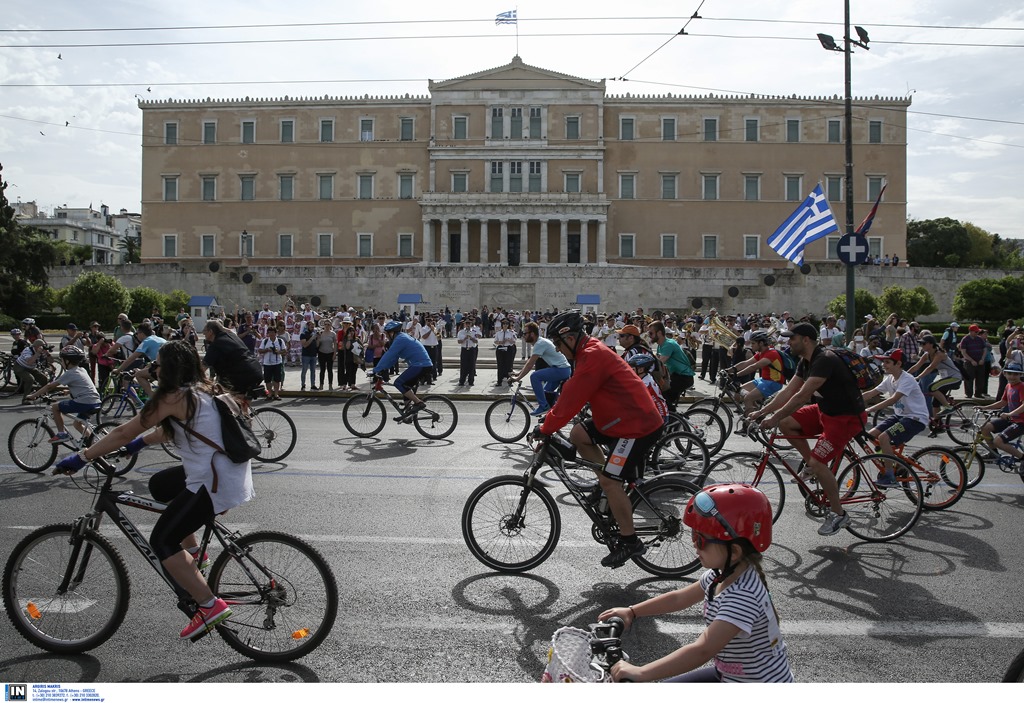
x,y
95,296
143,301
176,300
907,303
990,299
864,301
131,252
941,242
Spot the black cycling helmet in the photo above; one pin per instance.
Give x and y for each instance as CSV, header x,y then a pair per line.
x,y
761,337
566,323
72,353
643,362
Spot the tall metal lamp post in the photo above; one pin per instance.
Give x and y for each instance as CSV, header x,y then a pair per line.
x,y
245,238
829,44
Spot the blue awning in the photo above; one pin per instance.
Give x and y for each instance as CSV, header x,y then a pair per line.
x,y
409,298
202,301
588,299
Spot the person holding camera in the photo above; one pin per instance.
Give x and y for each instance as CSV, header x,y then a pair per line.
x,y
309,339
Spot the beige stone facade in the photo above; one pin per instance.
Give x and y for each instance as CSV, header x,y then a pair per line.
x,y
511,166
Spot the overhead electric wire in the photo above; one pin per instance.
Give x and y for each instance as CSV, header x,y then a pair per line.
x,y
695,15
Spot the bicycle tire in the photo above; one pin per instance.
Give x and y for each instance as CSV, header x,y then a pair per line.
x,y
507,421
709,426
117,406
364,416
8,381
881,414
720,408
973,464
742,467
682,452
79,619
29,446
438,420
293,607
1015,672
490,534
121,464
171,449
277,436
670,550
946,479
959,425
876,514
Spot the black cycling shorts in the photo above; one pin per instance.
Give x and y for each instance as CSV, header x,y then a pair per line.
x,y
627,458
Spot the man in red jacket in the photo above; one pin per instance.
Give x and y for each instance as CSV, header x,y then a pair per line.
x,y
623,418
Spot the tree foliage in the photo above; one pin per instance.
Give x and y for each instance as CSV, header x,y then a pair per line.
x,y
130,250
863,300
95,296
906,303
949,243
176,300
143,301
990,299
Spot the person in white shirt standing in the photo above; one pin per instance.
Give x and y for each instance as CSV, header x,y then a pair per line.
x,y
469,343
430,338
272,351
504,350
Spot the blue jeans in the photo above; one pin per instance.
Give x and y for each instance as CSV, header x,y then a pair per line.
x,y
547,380
308,362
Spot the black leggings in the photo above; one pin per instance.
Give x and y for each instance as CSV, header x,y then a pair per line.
x,y
326,363
186,511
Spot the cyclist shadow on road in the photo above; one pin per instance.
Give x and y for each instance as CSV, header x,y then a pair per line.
x,y
77,668
374,449
539,608
17,486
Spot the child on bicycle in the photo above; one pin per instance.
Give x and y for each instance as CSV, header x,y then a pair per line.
x,y
732,527
1001,432
643,364
910,408
85,399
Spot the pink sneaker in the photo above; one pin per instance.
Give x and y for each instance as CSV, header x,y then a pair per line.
x,y
206,619
202,562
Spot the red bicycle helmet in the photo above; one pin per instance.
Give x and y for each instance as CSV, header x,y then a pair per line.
x,y
729,511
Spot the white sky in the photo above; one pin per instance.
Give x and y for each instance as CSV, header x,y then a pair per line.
x,y
967,169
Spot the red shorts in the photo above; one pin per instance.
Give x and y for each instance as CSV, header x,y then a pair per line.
x,y
834,430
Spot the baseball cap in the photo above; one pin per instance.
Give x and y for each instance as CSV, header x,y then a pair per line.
x,y
72,326
1013,368
974,328
869,317
894,354
804,329
630,329
954,324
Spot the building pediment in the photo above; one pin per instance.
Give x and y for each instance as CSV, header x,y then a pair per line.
x,y
516,75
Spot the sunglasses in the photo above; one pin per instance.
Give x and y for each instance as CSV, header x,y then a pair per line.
x,y
705,506
701,541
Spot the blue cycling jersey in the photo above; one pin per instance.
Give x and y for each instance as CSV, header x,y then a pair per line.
x,y
408,350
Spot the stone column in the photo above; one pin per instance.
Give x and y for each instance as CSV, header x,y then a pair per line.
x,y
524,242
445,259
602,244
428,242
464,242
503,252
483,240
584,236
563,243
544,240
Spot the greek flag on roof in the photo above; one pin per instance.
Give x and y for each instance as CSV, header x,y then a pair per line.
x,y
809,222
508,17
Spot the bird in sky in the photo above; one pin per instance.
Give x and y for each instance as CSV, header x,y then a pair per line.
x,y
66,123
42,133
149,90
59,57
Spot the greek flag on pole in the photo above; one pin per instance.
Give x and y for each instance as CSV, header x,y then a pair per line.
x,y
508,17
809,222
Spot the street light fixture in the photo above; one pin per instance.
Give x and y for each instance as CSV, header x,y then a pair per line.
x,y
245,239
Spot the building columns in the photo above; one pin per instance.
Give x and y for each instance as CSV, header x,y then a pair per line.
x,y
503,253
563,243
428,242
543,241
445,258
483,241
602,244
584,237
464,241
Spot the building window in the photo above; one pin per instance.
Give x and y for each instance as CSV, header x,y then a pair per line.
x,y
366,129
535,130
497,176
287,188
170,245
405,244
668,246
245,244
516,123
668,186
365,245
572,183
535,177
835,131
405,186
325,244
874,246
248,187
284,245
459,126
405,129
710,190
170,133
287,131
832,248
711,129
209,132
326,130
627,246
325,183
751,246
874,187
365,186
572,127
170,188
627,186
206,245
750,129
751,187
793,130
793,188
248,131
668,129
459,182
515,176
209,188
710,246
834,189
497,123
626,129
875,131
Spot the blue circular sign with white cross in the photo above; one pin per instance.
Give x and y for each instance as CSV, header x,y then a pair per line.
x,y
852,249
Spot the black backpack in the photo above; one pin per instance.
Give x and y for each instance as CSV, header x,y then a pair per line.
x,y
240,442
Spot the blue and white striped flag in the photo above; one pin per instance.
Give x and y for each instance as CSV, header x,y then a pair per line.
x,y
508,17
809,222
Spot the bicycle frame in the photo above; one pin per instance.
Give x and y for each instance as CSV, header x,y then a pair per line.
x,y
75,443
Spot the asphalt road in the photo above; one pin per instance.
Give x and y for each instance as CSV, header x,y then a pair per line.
x,y
940,604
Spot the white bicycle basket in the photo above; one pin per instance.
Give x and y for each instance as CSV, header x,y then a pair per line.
x,y
570,659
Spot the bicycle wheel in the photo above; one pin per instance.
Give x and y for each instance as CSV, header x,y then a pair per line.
x,y
882,414
364,415
720,408
1015,672
679,451
8,381
507,420
121,464
171,450
438,419
117,407
276,433
658,507
974,465
959,424
510,527
879,514
78,617
29,445
745,467
943,478
282,593
707,425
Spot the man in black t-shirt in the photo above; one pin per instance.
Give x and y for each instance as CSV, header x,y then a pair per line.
x,y
836,417
236,367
